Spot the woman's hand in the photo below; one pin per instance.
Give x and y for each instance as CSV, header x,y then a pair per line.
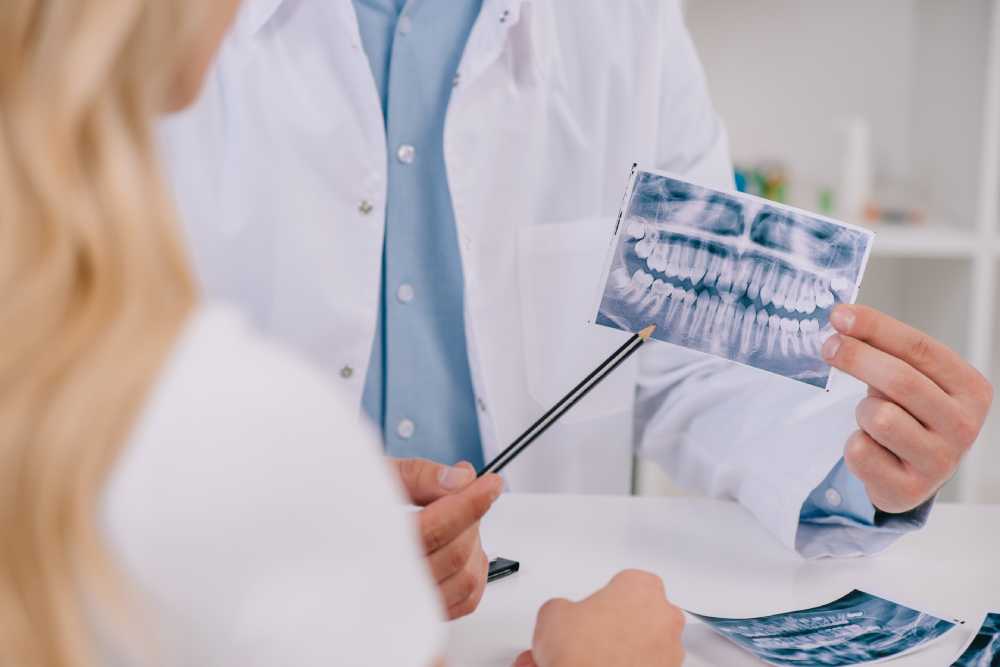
x,y
628,622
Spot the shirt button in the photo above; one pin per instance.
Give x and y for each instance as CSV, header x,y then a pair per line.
x,y
833,497
346,372
366,207
405,25
406,154
405,429
405,293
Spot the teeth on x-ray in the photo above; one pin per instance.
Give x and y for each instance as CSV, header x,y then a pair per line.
x,y
731,275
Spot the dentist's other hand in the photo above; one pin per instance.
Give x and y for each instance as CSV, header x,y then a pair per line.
x,y
925,406
628,622
453,502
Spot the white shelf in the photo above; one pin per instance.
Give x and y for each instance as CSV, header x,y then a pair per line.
x,y
925,74
924,240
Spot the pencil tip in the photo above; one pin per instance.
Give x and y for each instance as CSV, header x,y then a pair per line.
x,y
647,332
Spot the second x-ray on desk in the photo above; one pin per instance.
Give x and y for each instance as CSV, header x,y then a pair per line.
x,y
730,274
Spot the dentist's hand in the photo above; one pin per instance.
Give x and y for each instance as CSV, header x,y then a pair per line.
x,y
454,501
628,622
925,406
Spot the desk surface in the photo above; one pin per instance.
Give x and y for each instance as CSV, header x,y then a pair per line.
x,y
716,559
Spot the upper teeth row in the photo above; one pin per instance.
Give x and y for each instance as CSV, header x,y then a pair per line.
x,y
802,292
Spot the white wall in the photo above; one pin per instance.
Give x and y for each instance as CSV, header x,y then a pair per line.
x,y
785,73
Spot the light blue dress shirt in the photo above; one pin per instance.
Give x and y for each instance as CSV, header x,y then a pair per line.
x,y
419,387
838,519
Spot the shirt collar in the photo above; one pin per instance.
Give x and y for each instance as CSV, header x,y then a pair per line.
x,y
501,13
489,34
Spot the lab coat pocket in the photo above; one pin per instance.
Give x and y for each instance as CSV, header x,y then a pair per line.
x,y
559,271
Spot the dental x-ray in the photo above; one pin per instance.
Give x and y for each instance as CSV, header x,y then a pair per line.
x,y
984,649
730,274
858,628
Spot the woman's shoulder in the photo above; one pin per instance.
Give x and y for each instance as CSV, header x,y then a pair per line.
x,y
221,368
253,503
235,412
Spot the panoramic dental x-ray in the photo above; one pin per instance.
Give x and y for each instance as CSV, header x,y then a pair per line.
x,y
730,274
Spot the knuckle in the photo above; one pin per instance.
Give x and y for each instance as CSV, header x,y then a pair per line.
x,y
434,536
847,353
458,556
855,450
467,584
938,463
902,384
675,619
633,576
881,500
967,429
912,493
986,392
482,505
627,579
653,584
891,499
553,608
884,418
865,319
408,468
463,608
920,349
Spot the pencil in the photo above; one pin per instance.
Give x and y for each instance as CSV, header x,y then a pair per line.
x,y
568,401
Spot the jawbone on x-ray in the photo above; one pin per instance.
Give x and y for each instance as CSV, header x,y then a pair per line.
x,y
984,649
857,628
730,274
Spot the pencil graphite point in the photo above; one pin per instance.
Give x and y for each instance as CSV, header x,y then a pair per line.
x,y
647,332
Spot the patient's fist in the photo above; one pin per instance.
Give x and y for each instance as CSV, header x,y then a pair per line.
x,y
628,622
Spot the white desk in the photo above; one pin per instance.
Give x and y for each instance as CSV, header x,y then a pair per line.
x,y
715,558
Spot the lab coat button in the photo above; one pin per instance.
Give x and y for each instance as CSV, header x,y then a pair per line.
x,y
405,429
346,372
406,154
366,207
481,404
405,25
405,293
833,497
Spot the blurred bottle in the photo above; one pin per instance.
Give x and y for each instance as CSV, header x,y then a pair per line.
x,y
855,191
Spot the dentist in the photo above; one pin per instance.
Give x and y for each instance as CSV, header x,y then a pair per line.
x,y
418,197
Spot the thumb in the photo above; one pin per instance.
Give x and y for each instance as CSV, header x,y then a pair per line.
x,y
426,481
526,659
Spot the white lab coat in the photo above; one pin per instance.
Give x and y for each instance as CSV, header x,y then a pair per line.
x,y
280,173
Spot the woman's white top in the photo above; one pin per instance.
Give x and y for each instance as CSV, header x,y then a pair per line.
x,y
253,512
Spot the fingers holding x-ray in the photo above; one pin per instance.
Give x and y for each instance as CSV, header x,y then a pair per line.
x,y
731,275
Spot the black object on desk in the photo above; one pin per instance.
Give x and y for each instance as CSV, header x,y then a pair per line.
x,y
502,567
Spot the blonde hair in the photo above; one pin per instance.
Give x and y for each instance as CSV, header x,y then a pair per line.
x,y
94,288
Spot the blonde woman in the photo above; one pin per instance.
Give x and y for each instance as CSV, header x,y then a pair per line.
x,y
173,489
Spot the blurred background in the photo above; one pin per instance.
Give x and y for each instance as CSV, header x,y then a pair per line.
x,y
885,114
